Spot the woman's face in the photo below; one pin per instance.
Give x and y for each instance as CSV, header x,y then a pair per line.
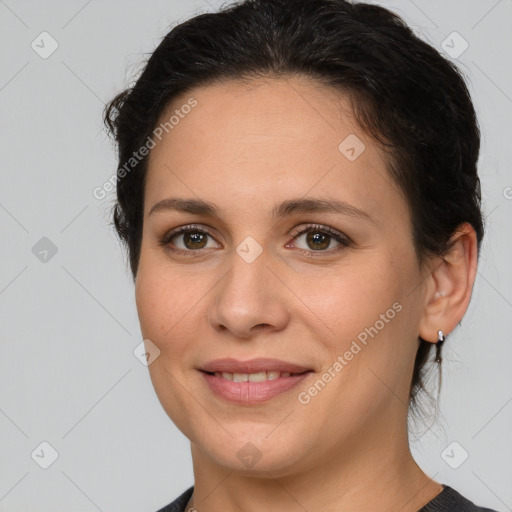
x,y
342,300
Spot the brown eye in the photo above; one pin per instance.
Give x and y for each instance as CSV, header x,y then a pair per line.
x,y
187,239
193,239
321,239
317,240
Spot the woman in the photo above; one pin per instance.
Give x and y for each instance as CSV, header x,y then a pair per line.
x,y
298,194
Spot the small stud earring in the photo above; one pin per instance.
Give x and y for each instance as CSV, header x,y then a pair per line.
x,y
440,339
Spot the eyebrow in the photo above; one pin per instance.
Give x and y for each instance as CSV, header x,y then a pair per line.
x,y
289,207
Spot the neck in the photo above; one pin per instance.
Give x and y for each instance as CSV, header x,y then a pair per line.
x,y
377,475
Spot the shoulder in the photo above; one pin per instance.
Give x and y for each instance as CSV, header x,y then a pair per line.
x,y
179,504
449,500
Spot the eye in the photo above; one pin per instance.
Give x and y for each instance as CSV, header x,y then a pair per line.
x,y
187,240
192,240
320,238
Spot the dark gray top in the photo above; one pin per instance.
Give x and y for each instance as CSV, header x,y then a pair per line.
x,y
448,500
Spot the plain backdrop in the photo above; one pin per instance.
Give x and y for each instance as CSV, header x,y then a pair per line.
x,y
69,327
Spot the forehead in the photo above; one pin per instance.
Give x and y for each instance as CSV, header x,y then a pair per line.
x,y
266,139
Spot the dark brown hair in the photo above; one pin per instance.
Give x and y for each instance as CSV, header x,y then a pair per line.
x,y
413,101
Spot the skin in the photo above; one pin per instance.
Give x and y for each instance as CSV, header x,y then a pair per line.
x,y
248,146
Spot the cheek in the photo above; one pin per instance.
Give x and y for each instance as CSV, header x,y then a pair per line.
x,y
160,298
160,310
357,295
171,308
150,302
370,317
164,310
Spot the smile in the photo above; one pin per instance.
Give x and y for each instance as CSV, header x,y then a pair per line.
x,y
252,377
252,388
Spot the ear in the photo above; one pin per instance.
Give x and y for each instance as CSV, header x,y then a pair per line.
x,y
451,280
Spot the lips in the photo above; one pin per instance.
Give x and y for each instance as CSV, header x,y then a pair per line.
x,y
252,382
230,365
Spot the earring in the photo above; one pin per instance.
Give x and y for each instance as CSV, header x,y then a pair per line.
x,y
440,340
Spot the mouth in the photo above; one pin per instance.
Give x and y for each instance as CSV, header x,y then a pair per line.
x,y
252,382
255,377
248,392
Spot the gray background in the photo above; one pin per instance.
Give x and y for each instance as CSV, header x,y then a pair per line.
x,y
69,324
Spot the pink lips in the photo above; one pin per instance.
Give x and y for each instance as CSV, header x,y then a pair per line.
x,y
247,393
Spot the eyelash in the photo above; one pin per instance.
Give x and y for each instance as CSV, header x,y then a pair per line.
x,y
343,240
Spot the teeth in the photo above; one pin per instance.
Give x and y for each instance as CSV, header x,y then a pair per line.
x,y
252,377
258,377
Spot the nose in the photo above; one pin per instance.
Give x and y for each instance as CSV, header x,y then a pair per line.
x,y
249,298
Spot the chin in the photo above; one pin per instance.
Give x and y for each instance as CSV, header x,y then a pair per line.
x,y
255,452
